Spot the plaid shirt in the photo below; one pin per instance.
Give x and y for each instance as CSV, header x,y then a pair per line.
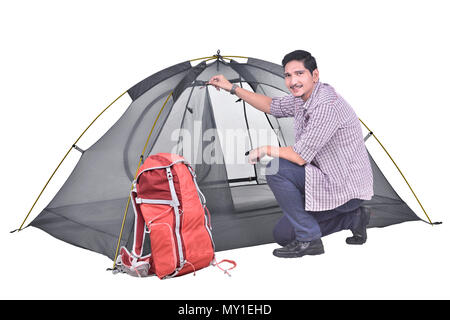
x,y
329,138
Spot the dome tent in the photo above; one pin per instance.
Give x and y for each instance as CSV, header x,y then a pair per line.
x,y
174,110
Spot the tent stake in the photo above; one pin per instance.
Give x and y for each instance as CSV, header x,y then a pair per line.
x,y
371,133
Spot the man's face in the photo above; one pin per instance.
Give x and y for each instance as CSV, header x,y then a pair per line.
x,y
299,80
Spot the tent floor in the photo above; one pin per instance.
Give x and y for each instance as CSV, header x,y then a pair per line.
x,y
255,215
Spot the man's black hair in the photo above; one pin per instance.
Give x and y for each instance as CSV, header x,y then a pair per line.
x,y
300,55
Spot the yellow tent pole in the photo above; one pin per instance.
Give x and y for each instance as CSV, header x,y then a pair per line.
x,y
235,57
204,58
210,59
135,174
371,132
45,186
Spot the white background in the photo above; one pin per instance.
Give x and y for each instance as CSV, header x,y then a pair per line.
x,y
62,63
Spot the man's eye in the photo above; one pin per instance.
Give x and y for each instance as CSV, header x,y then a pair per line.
x,y
299,73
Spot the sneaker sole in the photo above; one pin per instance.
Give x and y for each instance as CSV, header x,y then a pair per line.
x,y
298,255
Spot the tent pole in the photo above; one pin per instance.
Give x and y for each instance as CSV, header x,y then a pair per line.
x,y
203,58
235,57
141,158
72,146
215,57
371,132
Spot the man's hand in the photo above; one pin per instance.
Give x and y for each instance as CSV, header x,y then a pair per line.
x,y
220,82
255,155
257,100
287,153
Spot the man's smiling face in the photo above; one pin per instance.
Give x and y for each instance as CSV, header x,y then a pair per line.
x,y
299,80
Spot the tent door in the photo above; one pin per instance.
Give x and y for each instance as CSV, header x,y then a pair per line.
x,y
241,128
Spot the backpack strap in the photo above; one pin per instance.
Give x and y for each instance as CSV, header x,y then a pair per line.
x,y
155,201
173,193
133,262
194,177
139,227
127,263
216,264
175,204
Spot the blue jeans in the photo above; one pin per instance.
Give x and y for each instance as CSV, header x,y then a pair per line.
x,y
288,185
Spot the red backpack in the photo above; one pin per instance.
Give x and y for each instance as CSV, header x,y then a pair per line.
x,y
169,206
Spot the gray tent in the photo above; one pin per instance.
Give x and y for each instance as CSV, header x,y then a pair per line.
x,y
92,209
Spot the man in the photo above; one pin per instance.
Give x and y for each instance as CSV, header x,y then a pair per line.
x,y
323,178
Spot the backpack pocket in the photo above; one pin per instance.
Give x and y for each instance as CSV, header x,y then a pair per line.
x,y
163,249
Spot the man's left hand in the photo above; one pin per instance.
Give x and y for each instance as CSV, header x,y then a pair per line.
x,y
255,155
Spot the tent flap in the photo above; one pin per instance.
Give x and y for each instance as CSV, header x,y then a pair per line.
x,y
143,86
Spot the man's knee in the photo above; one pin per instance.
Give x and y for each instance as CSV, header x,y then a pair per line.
x,y
283,233
281,170
275,167
272,172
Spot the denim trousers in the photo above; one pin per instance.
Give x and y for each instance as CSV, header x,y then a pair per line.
x,y
287,182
